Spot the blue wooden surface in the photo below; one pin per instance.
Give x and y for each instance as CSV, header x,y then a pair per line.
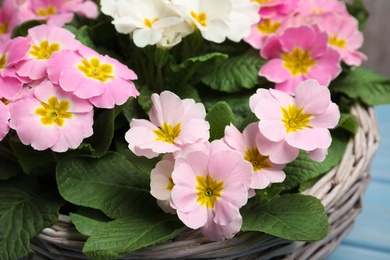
x,y
370,238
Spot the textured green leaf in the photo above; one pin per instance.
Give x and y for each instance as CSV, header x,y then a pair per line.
x,y
194,62
110,183
292,216
87,220
234,74
127,234
25,210
103,132
219,116
33,161
304,168
363,85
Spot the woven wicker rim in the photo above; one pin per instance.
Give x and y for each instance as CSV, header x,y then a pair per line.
x,y
340,191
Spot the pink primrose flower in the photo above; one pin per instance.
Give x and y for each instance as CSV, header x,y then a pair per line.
x,y
264,29
9,18
45,41
298,54
161,183
11,52
174,124
210,188
48,117
57,12
307,7
264,171
269,8
344,37
4,117
301,121
103,80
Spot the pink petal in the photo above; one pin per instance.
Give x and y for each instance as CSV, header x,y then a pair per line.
x,y
235,139
318,155
328,119
277,152
310,138
274,71
314,98
195,218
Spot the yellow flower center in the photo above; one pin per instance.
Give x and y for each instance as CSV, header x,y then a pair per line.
x,y
298,61
3,61
50,10
3,28
168,133
294,119
335,41
44,50
257,160
170,184
266,26
93,69
149,23
262,1
209,190
201,17
54,112
318,11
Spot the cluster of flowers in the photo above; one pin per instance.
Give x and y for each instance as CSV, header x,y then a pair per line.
x,y
49,84
207,183
51,12
302,39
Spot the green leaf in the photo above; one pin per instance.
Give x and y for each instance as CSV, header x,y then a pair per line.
x,y
234,74
9,166
110,184
33,161
22,29
219,116
127,234
86,220
348,122
194,62
144,99
103,132
363,85
358,10
25,210
292,216
303,168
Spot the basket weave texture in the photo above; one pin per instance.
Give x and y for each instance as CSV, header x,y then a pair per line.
x,y
340,191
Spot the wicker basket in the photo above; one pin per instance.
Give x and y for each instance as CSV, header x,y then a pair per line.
x,y
340,190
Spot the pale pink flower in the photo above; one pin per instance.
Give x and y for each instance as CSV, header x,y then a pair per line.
x,y
344,37
210,188
103,80
9,18
57,12
298,54
161,183
50,118
4,117
45,41
302,121
308,7
264,171
11,52
174,124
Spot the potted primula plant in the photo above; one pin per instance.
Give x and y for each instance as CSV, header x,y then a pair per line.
x,y
141,120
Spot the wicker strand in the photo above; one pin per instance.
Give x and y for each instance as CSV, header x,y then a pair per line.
x,y
340,191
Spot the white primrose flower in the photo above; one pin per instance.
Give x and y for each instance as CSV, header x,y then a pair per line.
x,y
211,17
145,20
244,14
